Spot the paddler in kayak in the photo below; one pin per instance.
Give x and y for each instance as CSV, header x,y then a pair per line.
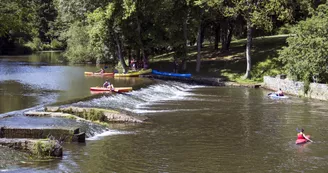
x,y
279,92
102,70
107,84
301,135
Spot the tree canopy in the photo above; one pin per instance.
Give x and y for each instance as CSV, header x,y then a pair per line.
x,y
306,55
112,31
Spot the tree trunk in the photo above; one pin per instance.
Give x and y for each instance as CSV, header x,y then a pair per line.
x,y
119,52
185,36
129,57
199,47
145,60
248,49
138,55
144,57
224,35
229,36
202,36
217,37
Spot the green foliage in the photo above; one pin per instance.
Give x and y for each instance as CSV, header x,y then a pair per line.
x,y
286,29
93,115
269,67
35,44
44,148
307,51
307,83
78,47
56,45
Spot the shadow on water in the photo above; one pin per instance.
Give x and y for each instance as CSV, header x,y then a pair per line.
x,y
15,96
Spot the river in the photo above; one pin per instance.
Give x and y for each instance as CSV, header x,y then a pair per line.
x,y
192,128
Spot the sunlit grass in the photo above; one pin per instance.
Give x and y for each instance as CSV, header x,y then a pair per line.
x,y
231,64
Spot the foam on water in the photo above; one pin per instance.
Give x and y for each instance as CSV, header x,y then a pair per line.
x,y
137,100
106,133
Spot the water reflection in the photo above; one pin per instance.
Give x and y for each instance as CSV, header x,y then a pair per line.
x,y
27,81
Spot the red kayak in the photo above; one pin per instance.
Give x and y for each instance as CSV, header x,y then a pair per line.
x,y
302,141
97,90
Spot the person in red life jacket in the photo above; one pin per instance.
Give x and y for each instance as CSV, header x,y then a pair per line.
x,y
279,92
301,135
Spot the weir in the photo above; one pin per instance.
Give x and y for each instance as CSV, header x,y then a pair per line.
x,y
62,134
48,148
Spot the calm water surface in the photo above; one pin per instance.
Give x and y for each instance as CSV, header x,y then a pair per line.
x,y
193,128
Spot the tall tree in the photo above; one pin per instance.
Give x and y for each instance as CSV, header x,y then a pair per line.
x,y
258,13
306,55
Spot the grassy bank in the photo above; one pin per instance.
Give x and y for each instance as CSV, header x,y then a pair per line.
x,y
231,64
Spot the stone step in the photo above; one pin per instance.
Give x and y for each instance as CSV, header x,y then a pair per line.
x,y
42,148
62,134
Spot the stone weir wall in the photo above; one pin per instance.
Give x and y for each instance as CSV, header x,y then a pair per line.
x,y
67,135
317,91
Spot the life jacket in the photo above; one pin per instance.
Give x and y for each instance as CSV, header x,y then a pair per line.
x,y
280,93
300,136
106,85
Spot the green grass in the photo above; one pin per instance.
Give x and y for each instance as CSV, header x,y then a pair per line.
x,y
232,64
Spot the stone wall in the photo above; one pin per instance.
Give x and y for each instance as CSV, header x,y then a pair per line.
x,y
67,135
317,91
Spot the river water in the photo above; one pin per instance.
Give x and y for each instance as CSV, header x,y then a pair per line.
x,y
192,128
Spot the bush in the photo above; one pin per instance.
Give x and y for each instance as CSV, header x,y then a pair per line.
x,y
286,29
78,49
269,67
35,44
56,45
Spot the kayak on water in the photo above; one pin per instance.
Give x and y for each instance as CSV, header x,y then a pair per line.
x,y
133,74
98,74
274,95
97,90
302,141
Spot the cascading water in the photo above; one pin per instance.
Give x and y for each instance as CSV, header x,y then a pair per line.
x,y
139,101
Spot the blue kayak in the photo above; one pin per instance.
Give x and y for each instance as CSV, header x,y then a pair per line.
x,y
274,95
186,75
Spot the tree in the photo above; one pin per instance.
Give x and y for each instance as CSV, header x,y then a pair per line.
x,y
307,52
258,13
17,23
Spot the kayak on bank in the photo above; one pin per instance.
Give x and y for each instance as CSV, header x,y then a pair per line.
x,y
183,75
97,74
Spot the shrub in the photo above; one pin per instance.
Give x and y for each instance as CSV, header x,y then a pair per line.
x,y
56,45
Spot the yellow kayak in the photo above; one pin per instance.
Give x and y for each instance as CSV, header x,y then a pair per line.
x,y
133,74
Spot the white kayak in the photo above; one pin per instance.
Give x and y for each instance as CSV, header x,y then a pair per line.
x,y
274,95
